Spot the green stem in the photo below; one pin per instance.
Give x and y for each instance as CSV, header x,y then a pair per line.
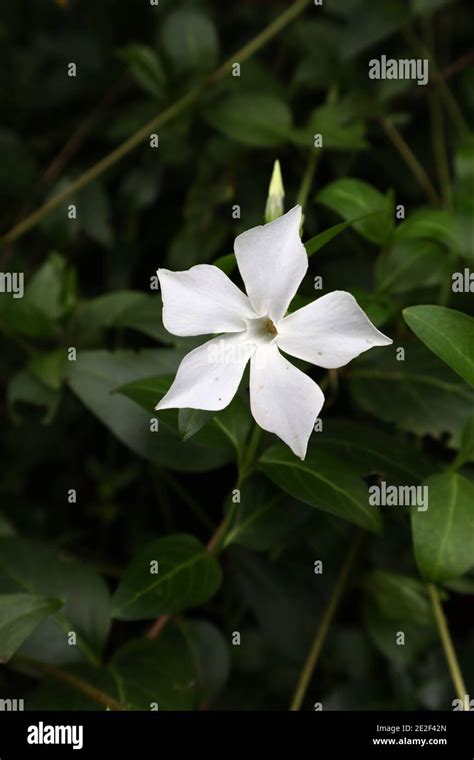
x,y
308,177
439,148
450,101
217,542
96,695
445,636
321,633
164,117
437,124
410,159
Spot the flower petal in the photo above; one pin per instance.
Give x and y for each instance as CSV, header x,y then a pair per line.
x,y
272,261
201,301
208,377
283,399
329,332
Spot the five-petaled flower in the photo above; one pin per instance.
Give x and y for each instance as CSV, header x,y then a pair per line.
x,y
328,332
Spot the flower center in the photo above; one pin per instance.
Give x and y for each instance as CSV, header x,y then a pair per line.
x,y
262,330
270,327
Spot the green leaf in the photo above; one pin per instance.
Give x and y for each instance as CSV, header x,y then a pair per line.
x,y
384,632
52,289
160,672
106,382
466,451
448,333
211,656
122,308
265,517
399,597
259,120
33,568
438,225
443,535
145,67
411,264
189,41
50,368
55,695
339,126
27,389
320,240
142,675
352,198
190,421
392,456
20,316
419,394
324,481
228,427
370,24
20,614
169,575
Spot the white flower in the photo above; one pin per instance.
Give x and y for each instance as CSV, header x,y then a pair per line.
x,y
329,332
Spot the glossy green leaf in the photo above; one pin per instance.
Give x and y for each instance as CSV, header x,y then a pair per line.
x,y
418,393
385,633
265,516
438,225
159,674
339,126
443,535
466,450
399,597
20,614
167,576
394,457
24,388
145,67
211,656
448,333
142,675
97,378
352,198
259,120
34,568
122,308
411,264
324,481
189,41
52,289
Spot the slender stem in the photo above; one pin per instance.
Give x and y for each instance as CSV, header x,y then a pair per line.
x,y
321,633
410,159
308,177
217,542
96,695
164,117
439,147
437,124
445,636
450,101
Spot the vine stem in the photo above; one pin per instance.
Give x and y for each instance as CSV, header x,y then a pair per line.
x,y
445,636
151,126
321,633
217,542
96,695
308,178
410,159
